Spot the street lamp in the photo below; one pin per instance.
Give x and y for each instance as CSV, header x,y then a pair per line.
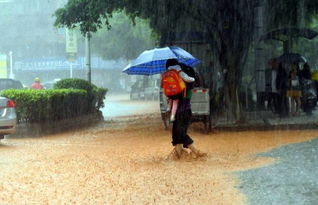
x,y
11,75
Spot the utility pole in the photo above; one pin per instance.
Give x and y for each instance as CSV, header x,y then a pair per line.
x,y
259,54
11,75
88,56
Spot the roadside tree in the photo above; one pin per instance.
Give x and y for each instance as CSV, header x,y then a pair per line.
x,y
229,25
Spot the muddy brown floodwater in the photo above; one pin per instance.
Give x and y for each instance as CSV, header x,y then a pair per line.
x,y
126,164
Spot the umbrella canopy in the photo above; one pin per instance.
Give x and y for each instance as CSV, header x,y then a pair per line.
x,y
284,34
289,58
153,61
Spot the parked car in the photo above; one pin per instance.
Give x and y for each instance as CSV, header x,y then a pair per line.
x,y
309,96
200,105
8,117
137,91
7,83
152,90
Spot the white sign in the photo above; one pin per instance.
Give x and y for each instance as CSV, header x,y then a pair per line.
x,y
71,41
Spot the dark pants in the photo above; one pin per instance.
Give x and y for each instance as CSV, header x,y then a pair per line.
x,y
283,104
274,105
180,128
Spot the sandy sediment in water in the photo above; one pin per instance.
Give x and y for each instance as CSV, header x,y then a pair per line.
x,y
128,165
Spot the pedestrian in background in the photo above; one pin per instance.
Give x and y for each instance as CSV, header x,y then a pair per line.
x,y
281,86
37,84
294,90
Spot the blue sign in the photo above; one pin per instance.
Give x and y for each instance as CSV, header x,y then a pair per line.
x,y
64,64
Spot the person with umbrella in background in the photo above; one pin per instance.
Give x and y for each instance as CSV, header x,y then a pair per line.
x,y
156,61
305,73
281,86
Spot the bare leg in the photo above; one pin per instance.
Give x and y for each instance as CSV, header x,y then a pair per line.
x,y
290,103
178,148
197,152
181,153
294,105
169,104
174,109
298,103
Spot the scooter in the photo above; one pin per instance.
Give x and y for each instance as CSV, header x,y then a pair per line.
x,y
309,96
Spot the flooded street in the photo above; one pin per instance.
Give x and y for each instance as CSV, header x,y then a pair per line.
x,y
127,164
89,90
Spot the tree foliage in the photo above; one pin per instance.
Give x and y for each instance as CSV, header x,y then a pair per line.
x,y
229,25
291,12
123,40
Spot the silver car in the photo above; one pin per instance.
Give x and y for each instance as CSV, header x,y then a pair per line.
x,y
8,117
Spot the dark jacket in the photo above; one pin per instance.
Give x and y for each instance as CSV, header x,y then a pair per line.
x,y
281,79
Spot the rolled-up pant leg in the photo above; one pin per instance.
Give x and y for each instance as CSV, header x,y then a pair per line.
x,y
180,128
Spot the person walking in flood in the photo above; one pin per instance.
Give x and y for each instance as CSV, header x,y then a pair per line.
x,y
180,139
176,90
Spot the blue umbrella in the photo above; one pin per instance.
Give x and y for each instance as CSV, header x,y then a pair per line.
x,y
153,61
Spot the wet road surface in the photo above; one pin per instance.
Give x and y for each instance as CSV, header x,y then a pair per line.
x,y
293,180
118,105
126,164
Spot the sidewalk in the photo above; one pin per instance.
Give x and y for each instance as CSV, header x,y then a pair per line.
x,y
266,120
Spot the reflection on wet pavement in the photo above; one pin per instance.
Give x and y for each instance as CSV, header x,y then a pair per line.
x,y
117,105
128,165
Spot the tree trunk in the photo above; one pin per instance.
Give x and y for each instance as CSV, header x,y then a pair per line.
x,y
231,91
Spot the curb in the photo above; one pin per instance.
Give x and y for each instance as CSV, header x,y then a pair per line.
x,y
39,129
264,127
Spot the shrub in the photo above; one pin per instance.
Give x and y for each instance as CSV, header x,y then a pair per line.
x,y
48,105
74,83
100,94
95,95
70,98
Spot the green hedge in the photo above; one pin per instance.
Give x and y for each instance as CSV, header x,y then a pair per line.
x,y
69,98
95,95
47,105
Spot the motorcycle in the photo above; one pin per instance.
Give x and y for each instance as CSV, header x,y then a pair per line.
x,y
309,96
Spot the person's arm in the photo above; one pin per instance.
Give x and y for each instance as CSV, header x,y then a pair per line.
x,y
186,78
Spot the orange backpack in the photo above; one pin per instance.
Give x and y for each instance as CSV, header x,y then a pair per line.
x,y
172,83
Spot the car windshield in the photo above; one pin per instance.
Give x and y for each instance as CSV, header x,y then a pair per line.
x,y
9,84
